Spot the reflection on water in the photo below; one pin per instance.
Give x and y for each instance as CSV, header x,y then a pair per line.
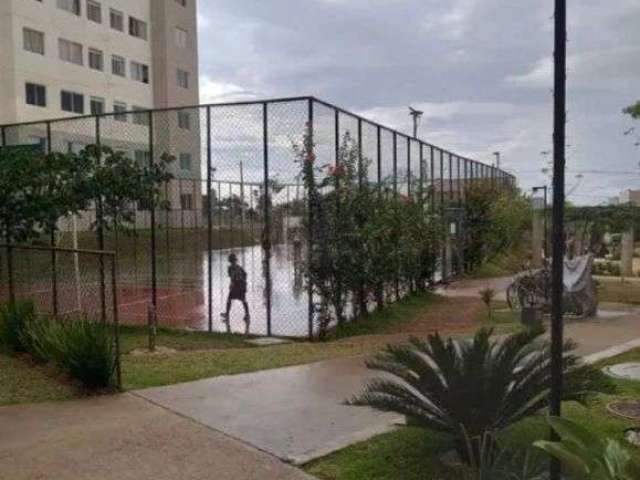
x,y
183,289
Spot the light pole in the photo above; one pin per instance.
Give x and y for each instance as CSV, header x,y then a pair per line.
x,y
559,141
417,115
544,218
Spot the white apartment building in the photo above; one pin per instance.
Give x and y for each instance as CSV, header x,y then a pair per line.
x,y
66,58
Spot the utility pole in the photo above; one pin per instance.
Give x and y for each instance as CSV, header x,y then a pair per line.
x,y
544,210
559,139
417,115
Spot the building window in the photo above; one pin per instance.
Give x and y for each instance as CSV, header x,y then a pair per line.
x,y
185,162
70,51
118,66
182,38
72,6
116,19
33,41
140,72
36,94
72,102
186,201
94,11
183,78
141,118
96,59
119,110
97,106
137,28
184,120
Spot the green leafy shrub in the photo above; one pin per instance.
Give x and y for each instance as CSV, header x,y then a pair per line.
x,y
364,239
470,387
43,338
14,318
85,350
587,456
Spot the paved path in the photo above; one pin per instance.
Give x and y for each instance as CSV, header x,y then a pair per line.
x,y
224,428
123,438
296,413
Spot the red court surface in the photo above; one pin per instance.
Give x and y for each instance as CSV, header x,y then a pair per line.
x,y
176,306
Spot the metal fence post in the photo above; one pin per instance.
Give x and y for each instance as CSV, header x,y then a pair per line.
x,y
52,242
209,226
152,214
432,181
310,307
360,165
395,196
11,279
116,319
421,172
267,214
379,157
100,229
409,166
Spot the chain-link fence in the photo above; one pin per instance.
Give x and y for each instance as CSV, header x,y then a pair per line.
x,y
66,284
237,189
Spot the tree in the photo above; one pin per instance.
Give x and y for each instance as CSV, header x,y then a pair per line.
x,y
495,219
633,110
118,185
38,189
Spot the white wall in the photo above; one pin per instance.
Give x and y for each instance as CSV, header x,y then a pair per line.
x,y
57,75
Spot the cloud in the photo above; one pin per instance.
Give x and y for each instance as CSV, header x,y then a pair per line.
x,y
481,71
212,91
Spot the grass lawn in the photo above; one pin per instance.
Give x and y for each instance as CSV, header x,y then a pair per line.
x,y
413,454
616,290
202,355
196,355
22,382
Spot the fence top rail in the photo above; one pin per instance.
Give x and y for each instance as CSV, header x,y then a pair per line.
x,y
264,102
108,253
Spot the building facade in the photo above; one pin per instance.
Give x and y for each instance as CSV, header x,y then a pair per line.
x,y
630,196
66,58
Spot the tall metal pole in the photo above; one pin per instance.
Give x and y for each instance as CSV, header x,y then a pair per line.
x,y
209,226
152,215
267,214
559,134
310,306
54,255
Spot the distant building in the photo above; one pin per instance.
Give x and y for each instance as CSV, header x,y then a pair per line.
x,y
69,58
630,196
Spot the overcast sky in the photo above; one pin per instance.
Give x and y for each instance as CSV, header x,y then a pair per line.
x,y
480,69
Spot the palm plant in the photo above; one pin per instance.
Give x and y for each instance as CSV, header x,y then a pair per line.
x,y
470,387
585,455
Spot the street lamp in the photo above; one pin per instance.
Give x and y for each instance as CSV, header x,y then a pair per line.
x,y
417,115
544,212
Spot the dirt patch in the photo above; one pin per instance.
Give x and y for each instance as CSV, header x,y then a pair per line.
x,y
160,350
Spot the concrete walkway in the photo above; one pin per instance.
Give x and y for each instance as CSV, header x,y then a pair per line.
x,y
296,413
123,437
230,427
